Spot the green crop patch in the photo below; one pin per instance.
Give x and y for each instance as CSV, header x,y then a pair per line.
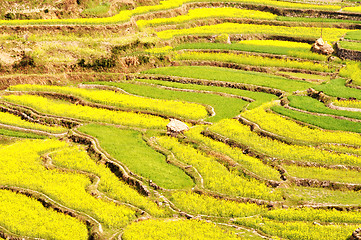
x,y
314,19
353,35
351,45
20,134
337,88
308,195
76,158
313,105
232,75
314,78
258,97
254,60
292,49
128,147
310,214
324,122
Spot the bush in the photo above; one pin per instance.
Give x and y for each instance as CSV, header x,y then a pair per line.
x,y
143,59
9,16
223,38
98,64
116,50
25,61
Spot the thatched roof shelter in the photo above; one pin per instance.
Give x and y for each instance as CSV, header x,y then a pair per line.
x,y
175,126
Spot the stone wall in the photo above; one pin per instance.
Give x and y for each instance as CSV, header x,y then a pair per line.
x,y
347,53
356,235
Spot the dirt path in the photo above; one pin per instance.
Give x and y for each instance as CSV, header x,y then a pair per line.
x,y
332,106
322,114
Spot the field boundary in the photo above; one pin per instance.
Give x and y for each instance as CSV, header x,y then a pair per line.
x,y
243,86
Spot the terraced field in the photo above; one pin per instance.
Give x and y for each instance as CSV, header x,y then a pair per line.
x,y
270,146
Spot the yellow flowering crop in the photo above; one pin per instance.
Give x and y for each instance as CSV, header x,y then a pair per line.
x,y
168,107
348,103
172,229
296,230
352,9
159,50
329,34
352,71
276,43
21,165
65,109
10,119
28,217
231,128
216,176
252,164
277,124
125,15
77,158
201,204
200,13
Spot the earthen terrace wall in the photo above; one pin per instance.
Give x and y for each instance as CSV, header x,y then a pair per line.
x,y
347,53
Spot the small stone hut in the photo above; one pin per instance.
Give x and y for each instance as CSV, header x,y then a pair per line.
x,y
174,127
322,47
